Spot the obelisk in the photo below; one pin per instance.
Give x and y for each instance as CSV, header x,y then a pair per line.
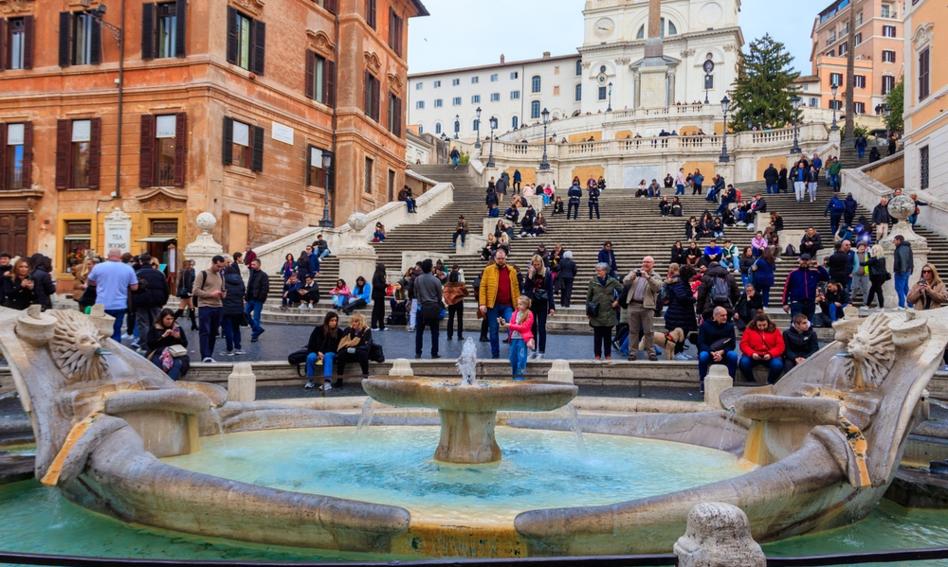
x,y
653,70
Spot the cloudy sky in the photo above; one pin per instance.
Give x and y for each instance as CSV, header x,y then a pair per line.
x,y
461,33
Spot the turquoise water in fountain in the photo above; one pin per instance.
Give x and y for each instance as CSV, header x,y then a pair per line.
x,y
394,465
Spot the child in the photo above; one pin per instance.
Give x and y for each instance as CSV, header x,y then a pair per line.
x,y
340,294
521,336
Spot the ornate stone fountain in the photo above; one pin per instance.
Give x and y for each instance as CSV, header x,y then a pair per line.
x,y
468,408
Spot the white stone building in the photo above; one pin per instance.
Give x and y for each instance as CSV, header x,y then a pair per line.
x,y
695,31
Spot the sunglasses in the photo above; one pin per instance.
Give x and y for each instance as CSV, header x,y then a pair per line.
x,y
927,272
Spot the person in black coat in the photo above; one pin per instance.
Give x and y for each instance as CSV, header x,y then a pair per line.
x,y
379,285
232,314
716,344
17,289
163,334
566,273
538,286
680,313
801,342
747,307
782,180
185,284
321,349
360,338
151,296
41,268
678,255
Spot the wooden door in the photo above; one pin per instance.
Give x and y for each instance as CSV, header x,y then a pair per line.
x,y
14,233
238,231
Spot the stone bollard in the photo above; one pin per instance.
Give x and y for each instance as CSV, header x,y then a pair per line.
x,y
242,383
718,535
560,372
401,367
715,383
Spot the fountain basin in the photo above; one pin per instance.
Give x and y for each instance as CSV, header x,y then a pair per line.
x,y
469,412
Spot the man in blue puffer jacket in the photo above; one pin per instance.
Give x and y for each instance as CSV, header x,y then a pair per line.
x,y
799,291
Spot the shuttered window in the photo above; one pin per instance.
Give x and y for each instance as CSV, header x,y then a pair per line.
x,y
16,155
246,41
924,74
395,25
315,171
395,115
329,5
80,39
16,43
78,153
243,145
163,29
372,94
320,79
370,13
163,150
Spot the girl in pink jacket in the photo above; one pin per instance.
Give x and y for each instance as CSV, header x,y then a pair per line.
x,y
521,336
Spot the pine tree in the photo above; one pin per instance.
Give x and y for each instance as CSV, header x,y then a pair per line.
x,y
765,86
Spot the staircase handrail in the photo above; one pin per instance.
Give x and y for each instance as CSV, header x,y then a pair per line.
x,y
392,215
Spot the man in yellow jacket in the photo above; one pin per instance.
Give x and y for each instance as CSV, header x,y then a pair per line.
x,y
497,296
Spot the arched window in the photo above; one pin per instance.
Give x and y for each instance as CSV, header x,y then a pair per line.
x,y
421,129
535,110
438,128
602,68
672,30
667,26
476,125
515,122
536,83
579,67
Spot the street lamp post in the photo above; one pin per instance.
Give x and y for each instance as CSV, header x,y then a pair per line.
x,y
796,126
835,90
457,126
490,155
545,162
609,108
326,221
725,106
477,124
707,83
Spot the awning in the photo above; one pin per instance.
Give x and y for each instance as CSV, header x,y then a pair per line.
x,y
157,239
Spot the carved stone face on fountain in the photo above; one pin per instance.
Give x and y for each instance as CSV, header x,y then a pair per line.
x,y
901,207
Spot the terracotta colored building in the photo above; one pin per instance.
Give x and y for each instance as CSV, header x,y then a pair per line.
x,y
879,47
244,108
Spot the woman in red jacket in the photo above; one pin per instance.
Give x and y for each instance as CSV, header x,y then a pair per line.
x,y
762,343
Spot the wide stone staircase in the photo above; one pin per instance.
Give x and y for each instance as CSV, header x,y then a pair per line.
x,y
634,226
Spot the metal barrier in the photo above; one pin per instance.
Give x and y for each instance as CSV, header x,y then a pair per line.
x,y
603,561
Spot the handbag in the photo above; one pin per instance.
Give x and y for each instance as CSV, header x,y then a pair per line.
x,y
177,351
376,354
592,309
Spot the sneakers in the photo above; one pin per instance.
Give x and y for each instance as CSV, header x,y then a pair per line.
x,y
208,360
327,386
310,385
633,357
683,356
944,368
652,356
239,352
229,353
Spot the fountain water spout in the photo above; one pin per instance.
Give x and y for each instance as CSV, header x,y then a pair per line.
x,y
467,363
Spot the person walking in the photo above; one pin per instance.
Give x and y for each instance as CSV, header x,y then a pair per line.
x,y
209,291
861,144
113,279
379,285
517,178
258,289
575,194
643,286
840,264
321,350
455,158
460,231
148,300
849,209
835,209
878,275
565,276
680,182
538,287
594,194
771,175
601,305
782,186
762,344
185,283
608,256
799,175
860,277
233,314
697,181
455,290
716,344
521,336
428,291
762,274
498,292
800,287
881,218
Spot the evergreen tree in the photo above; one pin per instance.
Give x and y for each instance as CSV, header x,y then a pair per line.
x,y
765,86
895,100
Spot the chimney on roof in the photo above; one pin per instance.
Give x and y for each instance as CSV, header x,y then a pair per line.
x,y
502,59
546,54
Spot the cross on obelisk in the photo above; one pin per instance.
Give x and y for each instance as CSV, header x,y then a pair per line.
x,y
653,43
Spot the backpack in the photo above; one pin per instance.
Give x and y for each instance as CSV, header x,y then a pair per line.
x,y
720,291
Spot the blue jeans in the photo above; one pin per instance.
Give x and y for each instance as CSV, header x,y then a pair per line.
x,y
772,188
324,253
455,161
231,327
253,309
679,189
177,365
774,368
835,313
493,328
764,291
902,286
518,358
807,308
119,315
328,359
705,360
209,322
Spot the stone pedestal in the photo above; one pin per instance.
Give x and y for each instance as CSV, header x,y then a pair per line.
x,y
718,535
242,383
653,89
560,372
467,438
401,367
715,383
545,177
356,257
536,201
204,247
412,257
473,244
901,208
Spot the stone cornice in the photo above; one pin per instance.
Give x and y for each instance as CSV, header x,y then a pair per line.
x,y
16,7
670,43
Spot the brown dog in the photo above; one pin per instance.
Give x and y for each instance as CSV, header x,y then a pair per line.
x,y
667,341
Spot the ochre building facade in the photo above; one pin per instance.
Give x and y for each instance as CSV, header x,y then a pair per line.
x,y
248,109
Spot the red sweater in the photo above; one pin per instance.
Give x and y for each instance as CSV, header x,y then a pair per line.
x,y
754,342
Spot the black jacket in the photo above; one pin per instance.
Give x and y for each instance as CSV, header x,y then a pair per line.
x,y
840,265
320,343
233,302
14,295
185,283
747,308
711,332
800,345
258,286
811,245
771,174
681,307
156,341
567,268
705,304
152,289
880,215
43,287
